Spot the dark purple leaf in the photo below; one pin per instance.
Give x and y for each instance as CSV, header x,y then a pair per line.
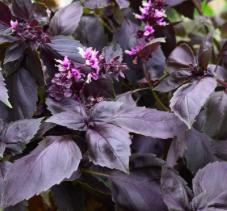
x,y
126,34
5,14
66,46
216,115
140,120
21,131
39,12
174,2
123,3
33,64
219,149
173,81
22,8
66,20
23,94
70,119
55,159
5,166
217,71
199,151
176,149
68,196
146,164
4,92
136,192
145,145
112,51
182,56
167,32
188,100
150,48
186,8
13,57
65,105
126,98
2,149
93,4
102,87
205,53
97,39
176,194
109,146
22,206
209,186
156,64
6,39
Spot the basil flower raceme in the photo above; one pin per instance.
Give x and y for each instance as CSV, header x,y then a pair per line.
x,y
63,80
71,78
152,12
29,31
152,15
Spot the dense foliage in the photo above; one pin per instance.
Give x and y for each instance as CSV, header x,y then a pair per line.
x,y
113,105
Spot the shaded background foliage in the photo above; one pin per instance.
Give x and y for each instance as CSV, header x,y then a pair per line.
x,y
153,137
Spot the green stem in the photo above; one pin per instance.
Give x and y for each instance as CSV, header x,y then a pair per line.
x,y
197,6
158,100
104,23
86,171
90,188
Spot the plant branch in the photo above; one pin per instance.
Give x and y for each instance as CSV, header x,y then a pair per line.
x,y
158,100
104,23
95,173
197,6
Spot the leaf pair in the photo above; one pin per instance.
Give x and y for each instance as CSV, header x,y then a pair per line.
x,y
141,189
18,133
66,20
55,159
196,147
208,192
107,126
191,71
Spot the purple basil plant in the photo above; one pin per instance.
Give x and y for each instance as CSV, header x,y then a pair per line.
x,y
113,105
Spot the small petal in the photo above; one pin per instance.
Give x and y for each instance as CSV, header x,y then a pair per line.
x,y
148,30
81,52
76,73
14,24
159,13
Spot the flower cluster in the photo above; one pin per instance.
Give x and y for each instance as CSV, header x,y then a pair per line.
x,y
61,84
70,77
151,14
29,31
92,59
99,67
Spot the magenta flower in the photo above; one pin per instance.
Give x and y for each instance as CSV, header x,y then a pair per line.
x,y
76,73
61,84
64,64
159,13
134,50
148,30
91,76
14,24
71,76
91,57
146,4
152,15
29,31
